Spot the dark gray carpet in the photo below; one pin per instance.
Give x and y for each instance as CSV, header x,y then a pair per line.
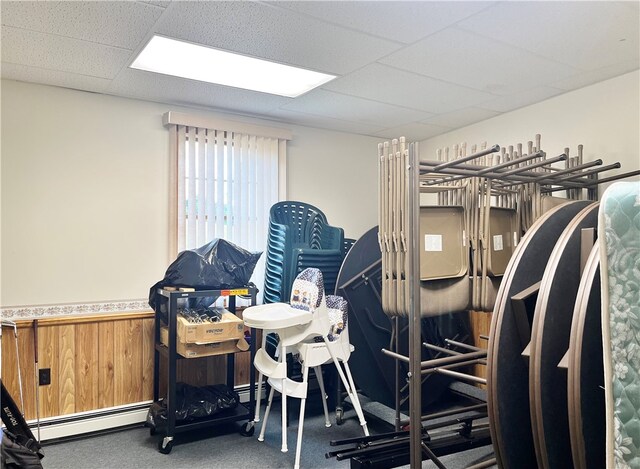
x,y
210,448
223,447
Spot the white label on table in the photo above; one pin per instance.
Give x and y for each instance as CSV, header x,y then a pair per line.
x,y
497,243
432,243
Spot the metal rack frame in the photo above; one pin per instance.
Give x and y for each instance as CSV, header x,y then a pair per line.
x,y
405,181
242,411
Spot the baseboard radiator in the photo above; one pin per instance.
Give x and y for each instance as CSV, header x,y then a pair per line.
x,y
82,423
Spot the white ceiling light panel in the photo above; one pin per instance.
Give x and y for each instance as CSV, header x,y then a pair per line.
x,y
202,63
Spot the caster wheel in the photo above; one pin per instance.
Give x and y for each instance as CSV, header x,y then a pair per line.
x,y
165,445
248,429
339,416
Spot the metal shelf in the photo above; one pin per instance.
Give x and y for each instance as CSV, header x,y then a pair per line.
x,y
170,353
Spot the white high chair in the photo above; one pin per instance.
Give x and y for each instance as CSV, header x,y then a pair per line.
x,y
313,328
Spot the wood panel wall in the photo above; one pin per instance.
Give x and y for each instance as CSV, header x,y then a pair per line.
x,y
97,362
480,325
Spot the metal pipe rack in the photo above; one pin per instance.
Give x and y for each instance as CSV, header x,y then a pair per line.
x,y
402,177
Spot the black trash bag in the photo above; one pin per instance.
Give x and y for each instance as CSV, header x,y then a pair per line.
x,y
217,265
20,452
193,402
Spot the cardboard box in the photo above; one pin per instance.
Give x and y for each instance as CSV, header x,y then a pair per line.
x,y
204,350
230,327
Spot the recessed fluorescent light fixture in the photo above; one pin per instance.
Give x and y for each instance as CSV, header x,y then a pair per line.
x,y
187,60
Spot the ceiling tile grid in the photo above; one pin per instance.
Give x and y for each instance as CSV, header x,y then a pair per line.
x,y
54,77
118,24
311,120
415,131
471,60
598,75
584,35
402,21
461,117
393,86
158,3
413,68
524,98
275,34
163,88
345,107
42,50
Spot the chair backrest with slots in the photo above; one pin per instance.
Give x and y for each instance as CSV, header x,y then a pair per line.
x,y
303,220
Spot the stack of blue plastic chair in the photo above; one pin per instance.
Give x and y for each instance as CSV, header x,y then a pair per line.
x,y
300,237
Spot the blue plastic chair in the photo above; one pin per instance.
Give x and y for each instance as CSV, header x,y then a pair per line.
x,y
300,237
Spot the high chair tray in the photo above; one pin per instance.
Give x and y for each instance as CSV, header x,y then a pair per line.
x,y
275,316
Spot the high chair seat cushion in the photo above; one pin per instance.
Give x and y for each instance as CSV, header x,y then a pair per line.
x,y
275,316
337,310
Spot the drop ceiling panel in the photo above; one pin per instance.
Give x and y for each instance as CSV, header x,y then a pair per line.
x,y
344,107
158,3
271,33
414,131
393,86
474,61
461,117
310,120
524,98
54,77
585,35
596,76
163,88
404,67
24,47
634,5
398,21
121,24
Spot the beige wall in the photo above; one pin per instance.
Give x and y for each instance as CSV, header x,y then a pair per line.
x,y
604,117
85,191
338,173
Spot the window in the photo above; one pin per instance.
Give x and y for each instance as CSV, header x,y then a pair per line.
x,y
225,178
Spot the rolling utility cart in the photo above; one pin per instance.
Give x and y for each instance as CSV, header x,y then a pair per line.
x,y
243,411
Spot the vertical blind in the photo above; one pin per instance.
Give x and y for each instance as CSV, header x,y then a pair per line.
x,y
226,182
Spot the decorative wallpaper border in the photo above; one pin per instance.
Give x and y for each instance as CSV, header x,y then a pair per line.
x,y
46,311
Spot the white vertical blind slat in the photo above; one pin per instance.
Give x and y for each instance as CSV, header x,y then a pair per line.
x,y
211,185
191,189
235,200
201,188
228,170
252,192
235,179
273,166
180,200
244,194
260,191
282,170
268,186
264,202
219,184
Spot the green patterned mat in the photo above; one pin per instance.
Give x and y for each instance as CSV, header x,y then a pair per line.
x,y
619,227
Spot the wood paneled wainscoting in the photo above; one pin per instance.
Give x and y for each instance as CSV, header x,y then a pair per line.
x,y
96,362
